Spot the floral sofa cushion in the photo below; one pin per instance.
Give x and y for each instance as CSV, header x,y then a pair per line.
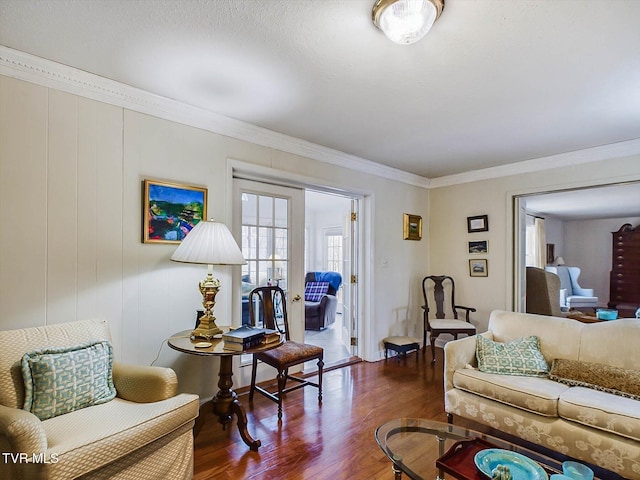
x,y
595,409
539,395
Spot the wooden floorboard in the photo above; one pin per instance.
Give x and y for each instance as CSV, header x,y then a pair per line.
x,y
331,441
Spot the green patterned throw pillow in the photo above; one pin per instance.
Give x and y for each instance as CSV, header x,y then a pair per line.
x,y
61,380
518,357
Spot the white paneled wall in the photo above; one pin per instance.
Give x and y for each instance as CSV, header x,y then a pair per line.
x,y
23,203
70,205
71,172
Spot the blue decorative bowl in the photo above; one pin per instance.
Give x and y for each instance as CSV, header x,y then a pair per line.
x,y
606,314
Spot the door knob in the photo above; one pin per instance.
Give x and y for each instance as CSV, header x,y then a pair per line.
x,y
297,298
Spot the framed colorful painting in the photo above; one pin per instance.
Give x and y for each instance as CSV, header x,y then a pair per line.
x,y
171,210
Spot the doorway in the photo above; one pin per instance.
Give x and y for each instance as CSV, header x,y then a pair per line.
x,y
331,248
578,226
287,232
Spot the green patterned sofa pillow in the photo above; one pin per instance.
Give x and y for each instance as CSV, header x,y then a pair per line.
x,y
61,380
518,357
605,378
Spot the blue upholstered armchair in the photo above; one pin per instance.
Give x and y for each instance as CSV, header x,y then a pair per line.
x,y
572,295
320,302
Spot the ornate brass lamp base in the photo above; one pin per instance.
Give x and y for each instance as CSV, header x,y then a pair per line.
x,y
207,328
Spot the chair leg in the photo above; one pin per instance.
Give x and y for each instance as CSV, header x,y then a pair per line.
x,y
424,342
433,348
282,380
254,368
320,367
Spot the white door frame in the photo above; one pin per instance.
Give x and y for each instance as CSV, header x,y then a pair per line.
x,y
250,171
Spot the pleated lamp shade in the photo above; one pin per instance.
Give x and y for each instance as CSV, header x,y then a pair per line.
x,y
210,243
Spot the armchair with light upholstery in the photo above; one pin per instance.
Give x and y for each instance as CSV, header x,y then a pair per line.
x,y
572,295
320,307
145,431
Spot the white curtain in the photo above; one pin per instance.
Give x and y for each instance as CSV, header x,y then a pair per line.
x,y
540,244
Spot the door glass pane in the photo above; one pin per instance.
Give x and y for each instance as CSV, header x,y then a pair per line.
x,y
265,211
265,272
249,208
249,242
280,275
265,243
280,247
280,212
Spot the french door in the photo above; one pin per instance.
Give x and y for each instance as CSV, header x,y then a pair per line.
x,y
269,219
350,289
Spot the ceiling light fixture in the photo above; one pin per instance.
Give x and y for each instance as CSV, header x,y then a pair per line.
x,y
406,21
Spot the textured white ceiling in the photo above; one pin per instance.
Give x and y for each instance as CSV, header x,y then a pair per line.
x,y
494,82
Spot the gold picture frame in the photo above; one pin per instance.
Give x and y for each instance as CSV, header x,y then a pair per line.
x,y
412,227
171,210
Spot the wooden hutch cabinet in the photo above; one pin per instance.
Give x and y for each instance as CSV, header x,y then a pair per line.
x,y
624,286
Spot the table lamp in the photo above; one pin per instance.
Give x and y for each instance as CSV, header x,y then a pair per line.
x,y
209,243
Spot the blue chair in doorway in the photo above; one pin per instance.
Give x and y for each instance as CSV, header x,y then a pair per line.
x,y
320,301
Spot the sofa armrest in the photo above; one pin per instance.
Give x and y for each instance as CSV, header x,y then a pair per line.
x,y
144,384
458,354
22,430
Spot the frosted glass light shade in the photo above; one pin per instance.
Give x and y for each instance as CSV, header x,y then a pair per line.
x,y
406,21
209,243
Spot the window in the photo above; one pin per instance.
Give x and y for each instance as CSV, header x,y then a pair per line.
x,y
334,252
535,255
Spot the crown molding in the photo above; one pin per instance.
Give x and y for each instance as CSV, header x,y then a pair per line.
x,y
27,67
578,157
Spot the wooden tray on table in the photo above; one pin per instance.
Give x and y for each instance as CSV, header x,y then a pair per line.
x,y
459,462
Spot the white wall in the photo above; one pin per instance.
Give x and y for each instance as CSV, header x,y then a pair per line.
x,y
319,222
449,206
70,225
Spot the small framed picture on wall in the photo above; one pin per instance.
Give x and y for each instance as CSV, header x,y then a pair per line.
x,y
478,268
479,223
412,227
481,246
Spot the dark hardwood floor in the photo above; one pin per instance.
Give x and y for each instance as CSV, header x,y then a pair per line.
x,y
331,441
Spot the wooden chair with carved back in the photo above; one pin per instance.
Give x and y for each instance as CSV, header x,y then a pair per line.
x,y
440,323
268,308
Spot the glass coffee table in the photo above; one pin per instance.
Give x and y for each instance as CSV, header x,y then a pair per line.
x,y
414,446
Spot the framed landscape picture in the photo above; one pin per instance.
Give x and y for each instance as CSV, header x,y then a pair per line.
x,y
412,227
478,268
481,246
171,210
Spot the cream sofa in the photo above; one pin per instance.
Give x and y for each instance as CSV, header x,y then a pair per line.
x,y
145,432
590,425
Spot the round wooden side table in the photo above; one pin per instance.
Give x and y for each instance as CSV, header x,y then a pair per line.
x,y
225,402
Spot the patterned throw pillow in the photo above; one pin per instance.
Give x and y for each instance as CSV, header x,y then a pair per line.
x,y
61,380
314,291
518,357
615,380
